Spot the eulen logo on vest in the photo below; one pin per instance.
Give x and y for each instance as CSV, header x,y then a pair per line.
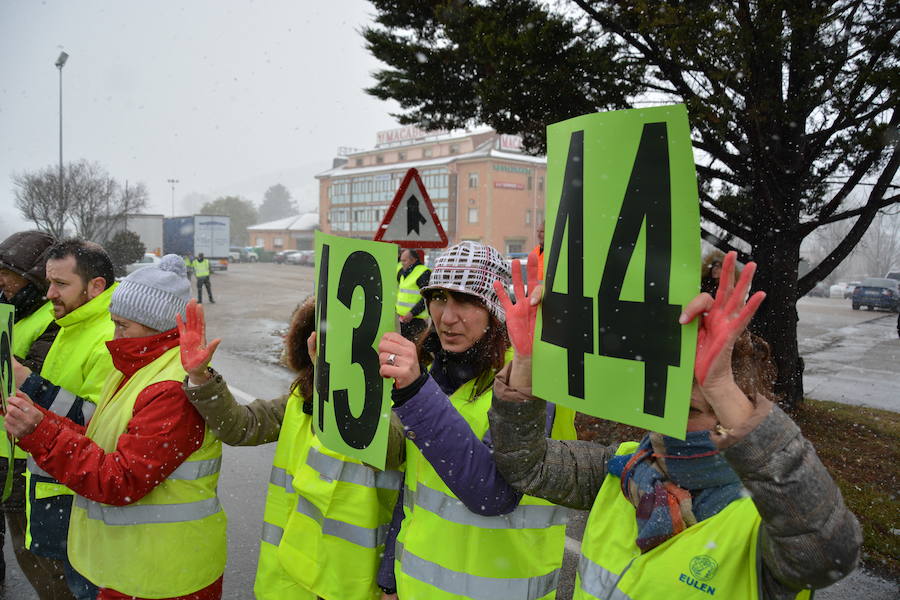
x,y
703,568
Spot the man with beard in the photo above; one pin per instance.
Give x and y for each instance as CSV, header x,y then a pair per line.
x,y
23,285
81,282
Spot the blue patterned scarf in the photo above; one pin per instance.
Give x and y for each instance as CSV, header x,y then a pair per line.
x,y
674,484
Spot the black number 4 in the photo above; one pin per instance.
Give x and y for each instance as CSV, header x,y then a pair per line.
x,y
645,331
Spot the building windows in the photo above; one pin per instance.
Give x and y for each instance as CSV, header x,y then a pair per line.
x,y
260,242
379,159
401,156
515,246
359,162
473,181
427,153
454,148
528,217
540,184
539,217
529,182
473,214
278,242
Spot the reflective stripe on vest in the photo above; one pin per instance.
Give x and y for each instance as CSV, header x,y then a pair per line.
x,y
271,534
143,514
525,516
339,514
282,479
338,470
450,552
63,402
361,536
474,586
718,556
169,543
599,582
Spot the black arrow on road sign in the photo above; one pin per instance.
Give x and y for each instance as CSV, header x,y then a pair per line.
x,y
413,217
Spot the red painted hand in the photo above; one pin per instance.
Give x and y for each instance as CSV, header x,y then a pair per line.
x,y
195,353
722,321
521,316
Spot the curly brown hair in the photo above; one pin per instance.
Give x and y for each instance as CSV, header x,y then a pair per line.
x,y
296,353
751,363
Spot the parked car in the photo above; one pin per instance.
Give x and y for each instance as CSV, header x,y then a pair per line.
x,y
893,275
240,254
848,291
836,290
819,291
300,257
148,260
877,292
281,257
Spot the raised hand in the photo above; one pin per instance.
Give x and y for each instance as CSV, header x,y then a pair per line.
x,y
195,353
723,320
521,316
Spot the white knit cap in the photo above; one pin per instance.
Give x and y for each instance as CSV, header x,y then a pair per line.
x,y
152,296
471,268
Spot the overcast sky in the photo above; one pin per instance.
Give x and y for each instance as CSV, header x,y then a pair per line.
x,y
227,96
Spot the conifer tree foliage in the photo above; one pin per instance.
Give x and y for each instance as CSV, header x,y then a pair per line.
x,y
793,107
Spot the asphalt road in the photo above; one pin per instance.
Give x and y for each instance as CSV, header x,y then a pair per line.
x,y
851,356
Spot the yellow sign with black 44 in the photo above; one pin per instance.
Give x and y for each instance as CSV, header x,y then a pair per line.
x,y
624,252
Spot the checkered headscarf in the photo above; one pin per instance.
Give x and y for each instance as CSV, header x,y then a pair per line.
x,y
471,268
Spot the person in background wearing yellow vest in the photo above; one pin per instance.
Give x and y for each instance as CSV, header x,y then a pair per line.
x,y
202,272
23,284
189,265
326,514
147,522
538,252
741,509
412,277
81,283
461,530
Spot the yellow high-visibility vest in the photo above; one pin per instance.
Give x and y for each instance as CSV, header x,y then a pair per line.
x,y
25,332
79,362
169,543
444,551
326,520
201,267
716,558
408,293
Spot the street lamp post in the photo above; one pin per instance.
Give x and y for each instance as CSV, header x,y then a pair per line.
x,y
60,63
172,182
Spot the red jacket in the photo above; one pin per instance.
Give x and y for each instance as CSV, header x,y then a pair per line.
x,y
164,430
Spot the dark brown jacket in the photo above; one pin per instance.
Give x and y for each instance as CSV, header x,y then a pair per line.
x,y
236,424
808,537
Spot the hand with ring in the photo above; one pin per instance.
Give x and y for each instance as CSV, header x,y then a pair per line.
x,y
399,359
22,418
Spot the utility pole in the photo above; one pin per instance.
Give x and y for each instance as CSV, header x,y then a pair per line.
x,y
172,182
60,63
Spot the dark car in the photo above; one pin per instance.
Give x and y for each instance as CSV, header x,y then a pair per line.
x,y
877,292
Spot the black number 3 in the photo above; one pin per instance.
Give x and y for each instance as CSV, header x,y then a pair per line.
x,y
360,269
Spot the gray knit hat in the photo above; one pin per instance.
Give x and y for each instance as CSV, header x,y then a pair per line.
x,y
152,296
471,268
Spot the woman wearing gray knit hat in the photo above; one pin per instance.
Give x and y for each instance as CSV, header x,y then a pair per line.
x,y
146,521
464,533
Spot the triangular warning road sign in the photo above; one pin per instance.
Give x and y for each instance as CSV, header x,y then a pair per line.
x,y
410,221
